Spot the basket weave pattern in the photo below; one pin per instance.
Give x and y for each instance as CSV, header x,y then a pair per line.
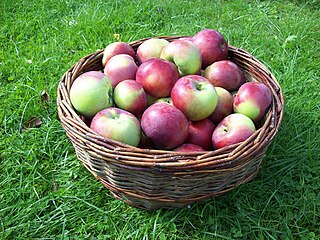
x,y
151,179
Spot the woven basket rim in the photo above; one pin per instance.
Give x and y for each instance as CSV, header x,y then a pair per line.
x,y
129,156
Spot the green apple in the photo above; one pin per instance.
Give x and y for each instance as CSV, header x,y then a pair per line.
x,y
184,54
90,93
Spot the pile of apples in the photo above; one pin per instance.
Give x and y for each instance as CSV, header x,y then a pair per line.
x,y
184,95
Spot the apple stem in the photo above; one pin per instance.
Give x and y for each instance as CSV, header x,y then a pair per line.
x,y
198,86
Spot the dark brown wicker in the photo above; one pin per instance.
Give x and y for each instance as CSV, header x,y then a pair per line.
x,y
152,179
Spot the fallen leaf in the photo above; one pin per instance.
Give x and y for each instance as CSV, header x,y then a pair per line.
x,y
45,96
32,122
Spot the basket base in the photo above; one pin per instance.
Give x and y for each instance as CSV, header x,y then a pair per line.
x,y
150,204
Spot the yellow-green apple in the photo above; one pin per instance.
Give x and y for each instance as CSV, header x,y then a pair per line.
x,y
117,124
120,67
195,96
150,48
90,93
200,133
253,100
165,125
184,54
233,129
116,48
165,100
224,106
157,76
225,74
189,147
129,95
212,45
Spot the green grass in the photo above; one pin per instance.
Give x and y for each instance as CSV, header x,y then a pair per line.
x,y
45,193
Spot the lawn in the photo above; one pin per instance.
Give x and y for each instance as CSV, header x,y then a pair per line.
x,y
46,193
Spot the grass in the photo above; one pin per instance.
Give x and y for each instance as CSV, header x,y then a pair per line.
x,y
45,193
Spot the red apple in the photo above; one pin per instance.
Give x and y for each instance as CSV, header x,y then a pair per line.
x,y
164,125
129,95
195,96
200,133
225,74
185,55
157,76
189,147
253,100
116,48
212,45
117,124
224,106
151,48
91,92
234,128
120,67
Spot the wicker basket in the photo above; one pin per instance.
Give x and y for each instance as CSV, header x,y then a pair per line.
x,y
153,179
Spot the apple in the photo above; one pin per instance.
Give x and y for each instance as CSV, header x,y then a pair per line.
x,y
150,99
212,45
200,133
91,92
253,100
234,128
150,48
116,48
184,54
117,124
225,74
129,95
165,100
189,147
120,67
165,125
224,106
195,96
157,76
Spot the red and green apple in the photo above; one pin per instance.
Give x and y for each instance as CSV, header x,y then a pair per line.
x,y
129,95
253,100
117,124
91,92
234,128
195,96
